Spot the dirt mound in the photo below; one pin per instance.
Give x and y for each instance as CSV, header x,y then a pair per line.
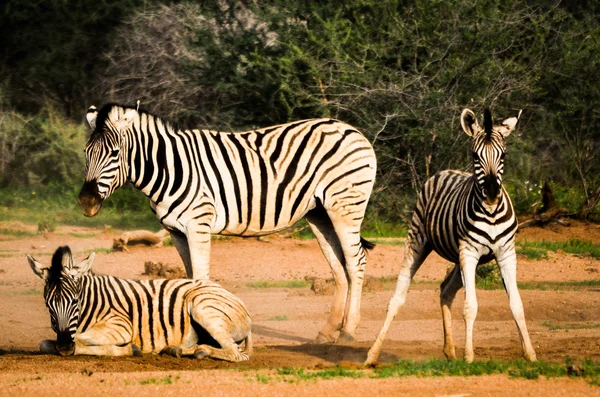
x,y
139,237
321,286
163,270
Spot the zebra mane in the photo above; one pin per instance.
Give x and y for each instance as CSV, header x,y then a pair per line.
x,y
487,122
56,267
105,112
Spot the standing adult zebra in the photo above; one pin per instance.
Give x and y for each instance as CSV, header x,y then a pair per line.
x,y
109,316
467,219
246,184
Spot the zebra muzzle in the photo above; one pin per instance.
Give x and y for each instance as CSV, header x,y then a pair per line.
x,y
89,199
65,345
491,188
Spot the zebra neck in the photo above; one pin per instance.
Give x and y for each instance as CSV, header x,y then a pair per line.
x,y
479,204
155,167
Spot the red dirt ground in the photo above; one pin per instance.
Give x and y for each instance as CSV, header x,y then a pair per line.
x,y
286,321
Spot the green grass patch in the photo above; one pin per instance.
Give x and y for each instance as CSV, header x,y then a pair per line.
x,y
17,233
278,284
539,249
437,367
167,380
588,369
82,235
370,230
487,276
9,253
53,205
278,318
554,326
301,374
533,252
378,228
559,285
97,250
262,378
27,292
393,241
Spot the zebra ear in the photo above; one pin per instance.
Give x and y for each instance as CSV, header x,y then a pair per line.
x,y
126,120
469,122
83,268
91,116
38,269
509,125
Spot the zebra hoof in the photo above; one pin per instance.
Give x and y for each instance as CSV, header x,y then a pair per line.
x,y
136,351
450,353
200,354
322,339
372,358
172,351
530,356
345,338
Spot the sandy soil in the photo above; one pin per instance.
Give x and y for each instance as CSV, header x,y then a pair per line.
x,y
286,321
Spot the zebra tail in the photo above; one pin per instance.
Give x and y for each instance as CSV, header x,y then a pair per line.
x,y
367,244
248,344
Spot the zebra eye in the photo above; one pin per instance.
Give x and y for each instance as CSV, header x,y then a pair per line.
x,y
502,156
114,153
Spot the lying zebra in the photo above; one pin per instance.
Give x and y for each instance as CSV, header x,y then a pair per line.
x,y
467,219
109,316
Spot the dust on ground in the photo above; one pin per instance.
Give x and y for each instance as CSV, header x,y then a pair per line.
x,y
287,319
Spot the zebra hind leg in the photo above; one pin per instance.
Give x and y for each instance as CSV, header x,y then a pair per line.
x,y
448,290
355,265
181,243
329,243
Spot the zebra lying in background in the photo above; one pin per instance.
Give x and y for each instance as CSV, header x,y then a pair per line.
x,y
244,184
109,316
467,219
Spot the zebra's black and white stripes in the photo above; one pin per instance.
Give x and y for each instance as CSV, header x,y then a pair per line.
x,y
104,315
247,183
468,219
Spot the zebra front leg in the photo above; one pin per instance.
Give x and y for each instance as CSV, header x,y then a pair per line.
x,y
198,237
106,350
468,265
417,249
448,290
507,262
106,339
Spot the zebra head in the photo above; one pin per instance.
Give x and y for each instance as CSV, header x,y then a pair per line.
x,y
488,151
107,164
62,294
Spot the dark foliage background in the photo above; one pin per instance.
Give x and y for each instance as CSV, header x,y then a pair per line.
x,y
400,71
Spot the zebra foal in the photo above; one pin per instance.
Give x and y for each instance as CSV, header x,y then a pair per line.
x,y
467,219
109,316
245,184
